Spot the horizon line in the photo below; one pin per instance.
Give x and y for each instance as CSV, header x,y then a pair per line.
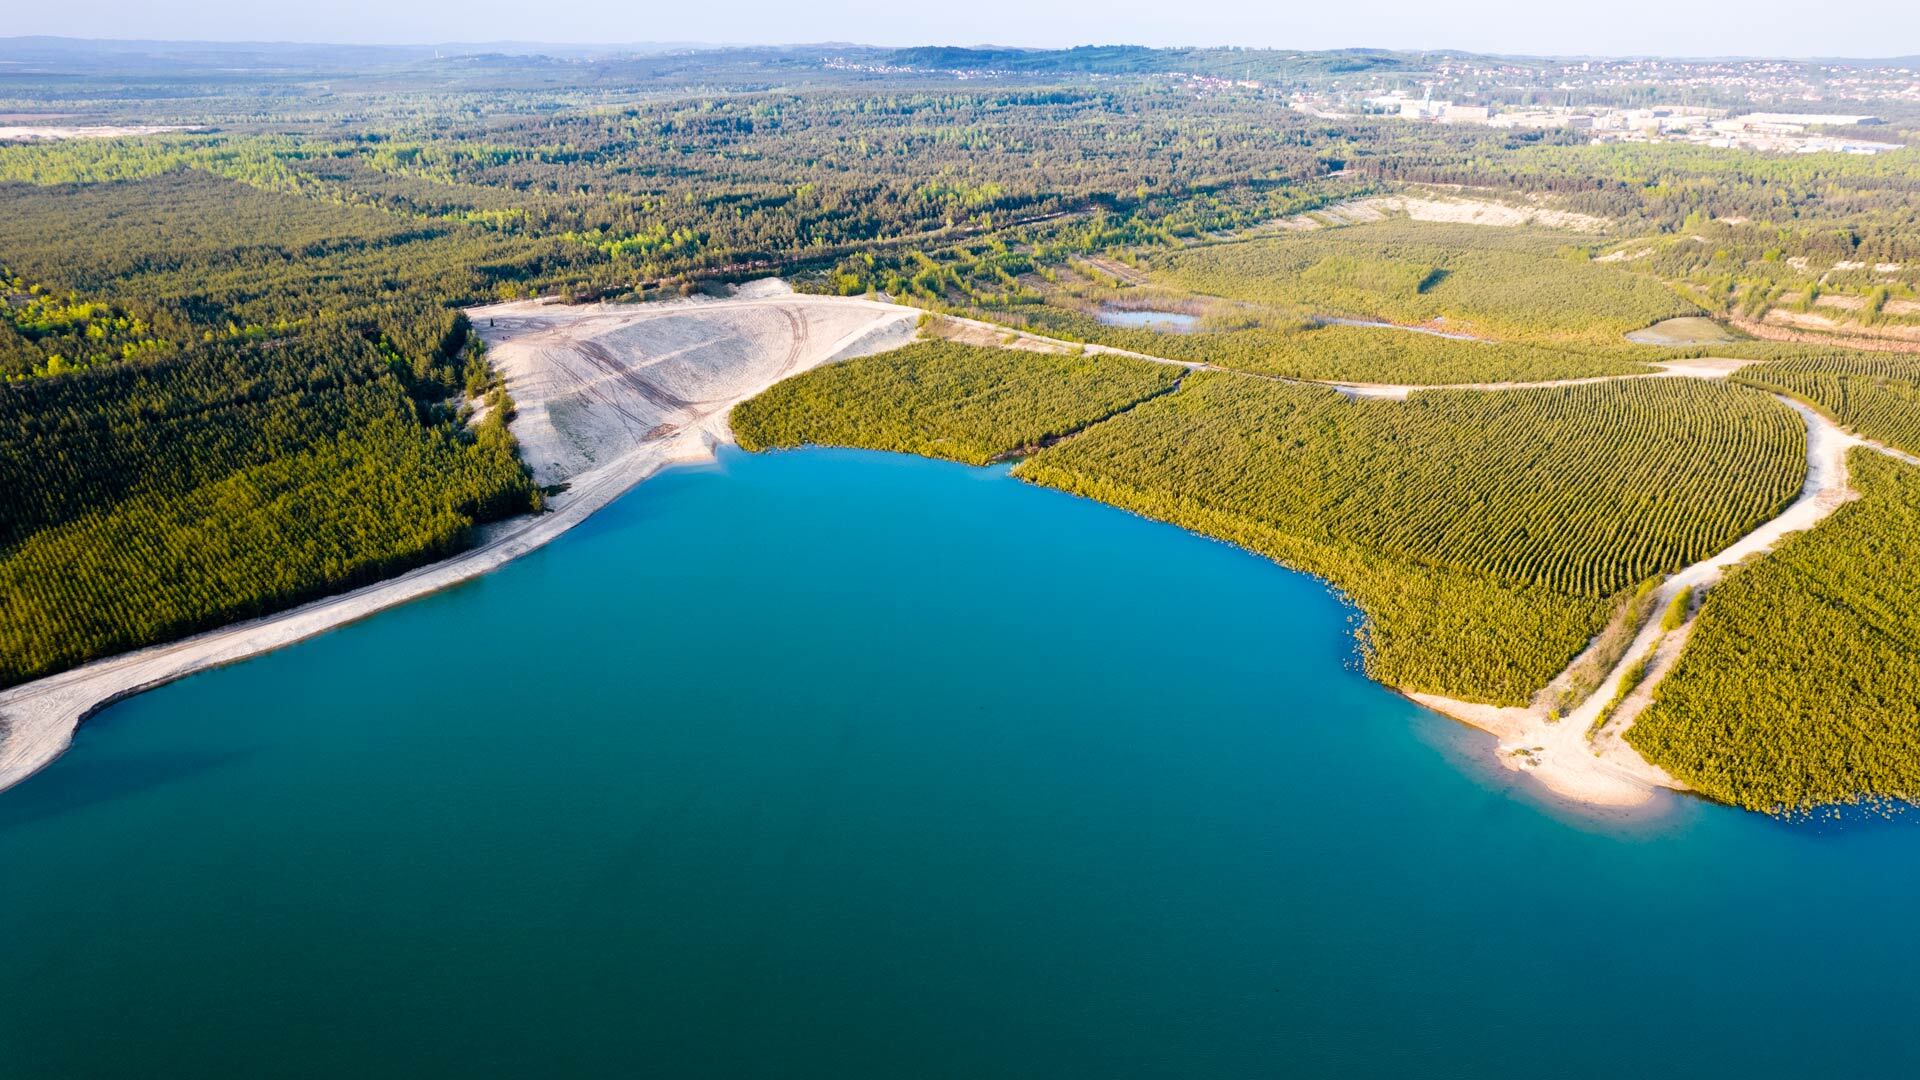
x,y
722,46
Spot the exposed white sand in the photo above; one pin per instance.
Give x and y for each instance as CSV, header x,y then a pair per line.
x,y
54,133
1459,209
593,383
607,395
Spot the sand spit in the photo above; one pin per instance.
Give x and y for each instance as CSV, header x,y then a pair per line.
x,y
607,396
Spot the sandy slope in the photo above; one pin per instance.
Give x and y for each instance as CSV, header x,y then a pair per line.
x,y
607,395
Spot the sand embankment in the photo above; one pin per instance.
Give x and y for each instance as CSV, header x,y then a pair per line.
x,y
607,395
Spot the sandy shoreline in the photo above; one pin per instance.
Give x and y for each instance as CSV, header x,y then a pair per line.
x,y
40,717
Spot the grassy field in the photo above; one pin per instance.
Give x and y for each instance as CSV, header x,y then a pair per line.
x,y
1512,284
1685,330
947,400
1800,684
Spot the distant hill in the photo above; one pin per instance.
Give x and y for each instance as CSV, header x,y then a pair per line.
x,y
176,57
1139,59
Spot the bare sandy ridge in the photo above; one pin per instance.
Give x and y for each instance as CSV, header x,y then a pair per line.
x,y
636,389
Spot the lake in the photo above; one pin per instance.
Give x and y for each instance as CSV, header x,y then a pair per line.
x,y
837,764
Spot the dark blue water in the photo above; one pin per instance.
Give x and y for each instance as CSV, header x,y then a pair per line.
x,y
833,764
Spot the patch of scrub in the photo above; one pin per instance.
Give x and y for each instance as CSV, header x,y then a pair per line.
x,y
1686,330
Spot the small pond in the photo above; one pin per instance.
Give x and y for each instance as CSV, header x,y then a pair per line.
x,y
1171,322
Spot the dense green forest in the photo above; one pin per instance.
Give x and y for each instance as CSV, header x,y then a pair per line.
x,y
947,400
1800,684
287,425
197,323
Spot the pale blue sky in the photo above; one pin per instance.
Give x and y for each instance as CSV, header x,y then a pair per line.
x,y
1606,27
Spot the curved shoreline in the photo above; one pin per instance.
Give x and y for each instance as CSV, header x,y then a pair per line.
x,y
38,719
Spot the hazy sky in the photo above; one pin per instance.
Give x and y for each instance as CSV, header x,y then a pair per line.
x,y
1605,27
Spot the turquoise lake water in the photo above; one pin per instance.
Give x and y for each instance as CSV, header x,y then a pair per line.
x,y
832,764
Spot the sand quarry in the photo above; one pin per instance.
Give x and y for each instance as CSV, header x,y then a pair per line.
x,y
607,395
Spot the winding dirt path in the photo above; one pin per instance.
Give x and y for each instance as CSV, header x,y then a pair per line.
x,y
1710,368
